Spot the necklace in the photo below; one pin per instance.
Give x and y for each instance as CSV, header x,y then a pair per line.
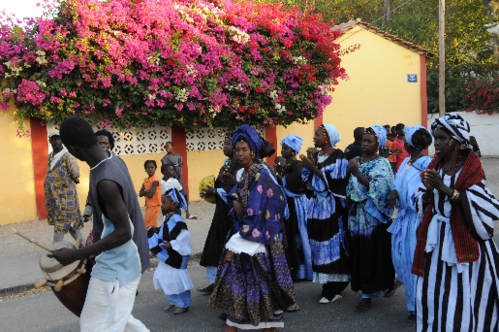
x,y
376,156
414,159
453,166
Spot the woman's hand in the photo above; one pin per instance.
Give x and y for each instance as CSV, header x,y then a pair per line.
x,y
229,180
308,162
167,245
431,179
208,192
353,167
238,207
394,196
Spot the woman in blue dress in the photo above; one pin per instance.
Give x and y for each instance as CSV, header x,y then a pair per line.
x,y
295,225
404,228
368,194
324,174
253,285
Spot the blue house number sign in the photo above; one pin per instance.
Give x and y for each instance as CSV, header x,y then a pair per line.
x,y
412,78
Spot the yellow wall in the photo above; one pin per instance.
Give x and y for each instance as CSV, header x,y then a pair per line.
x,y
17,194
377,91
202,164
135,165
305,131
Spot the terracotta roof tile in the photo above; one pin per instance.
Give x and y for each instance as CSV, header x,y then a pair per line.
x,y
404,43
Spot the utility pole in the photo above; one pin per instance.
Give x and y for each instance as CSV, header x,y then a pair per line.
x,y
441,55
386,13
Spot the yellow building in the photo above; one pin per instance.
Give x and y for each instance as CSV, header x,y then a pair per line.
x,y
386,85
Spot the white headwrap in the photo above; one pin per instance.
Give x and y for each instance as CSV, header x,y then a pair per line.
x,y
332,133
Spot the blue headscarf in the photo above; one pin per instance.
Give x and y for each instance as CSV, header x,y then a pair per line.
x,y
380,133
251,136
294,142
176,197
409,131
332,133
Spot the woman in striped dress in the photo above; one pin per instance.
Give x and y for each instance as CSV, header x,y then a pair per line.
x,y
455,257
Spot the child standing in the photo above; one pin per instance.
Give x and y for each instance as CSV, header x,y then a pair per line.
x,y
151,189
171,244
168,181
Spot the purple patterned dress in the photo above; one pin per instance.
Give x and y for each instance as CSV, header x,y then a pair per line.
x,y
253,263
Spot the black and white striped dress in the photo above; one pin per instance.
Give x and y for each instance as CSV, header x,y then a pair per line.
x,y
454,296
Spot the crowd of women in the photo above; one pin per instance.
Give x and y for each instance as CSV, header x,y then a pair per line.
x,y
324,218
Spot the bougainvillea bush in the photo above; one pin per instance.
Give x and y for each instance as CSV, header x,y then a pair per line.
x,y
187,63
483,93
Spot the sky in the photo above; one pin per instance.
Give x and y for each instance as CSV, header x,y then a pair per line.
x,y
21,8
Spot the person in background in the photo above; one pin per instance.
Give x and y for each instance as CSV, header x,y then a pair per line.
x,y
120,246
398,150
151,189
298,252
168,181
172,245
324,174
173,158
456,258
355,149
404,228
61,197
386,151
221,223
369,216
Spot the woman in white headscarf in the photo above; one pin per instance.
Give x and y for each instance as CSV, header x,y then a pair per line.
x,y
456,258
368,194
404,228
324,175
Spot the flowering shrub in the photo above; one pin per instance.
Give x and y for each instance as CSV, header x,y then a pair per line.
x,y
186,63
483,93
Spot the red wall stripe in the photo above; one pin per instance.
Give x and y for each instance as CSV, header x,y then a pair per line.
x,y
271,136
40,146
424,99
318,121
180,146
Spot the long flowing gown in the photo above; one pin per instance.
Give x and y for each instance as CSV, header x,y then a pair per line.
x,y
298,252
454,296
368,218
405,226
253,263
221,223
61,197
326,221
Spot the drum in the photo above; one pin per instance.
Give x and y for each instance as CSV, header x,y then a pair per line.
x,y
69,283
203,185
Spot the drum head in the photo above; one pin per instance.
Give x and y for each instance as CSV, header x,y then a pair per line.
x,y
203,185
51,268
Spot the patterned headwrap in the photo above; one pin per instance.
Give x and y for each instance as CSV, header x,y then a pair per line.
x,y
294,142
454,125
379,132
332,133
409,131
176,197
249,135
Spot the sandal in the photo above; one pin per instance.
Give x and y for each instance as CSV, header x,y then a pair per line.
x,y
363,306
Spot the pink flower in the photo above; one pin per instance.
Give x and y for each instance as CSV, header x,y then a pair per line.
x,y
277,216
250,211
267,235
270,193
256,233
260,189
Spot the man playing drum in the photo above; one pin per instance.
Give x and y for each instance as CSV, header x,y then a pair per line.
x,y
120,247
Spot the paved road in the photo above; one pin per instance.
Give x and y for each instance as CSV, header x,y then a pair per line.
x,y
43,312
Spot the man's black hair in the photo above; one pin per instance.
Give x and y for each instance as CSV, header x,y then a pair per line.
x,y
169,142
150,162
104,132
400,126
77,132
359,132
